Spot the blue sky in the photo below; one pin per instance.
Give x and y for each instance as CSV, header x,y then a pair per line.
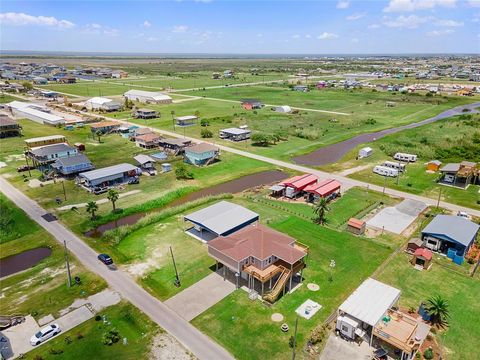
x,y
263,27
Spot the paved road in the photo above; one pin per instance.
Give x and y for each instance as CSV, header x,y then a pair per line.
x,y
198,343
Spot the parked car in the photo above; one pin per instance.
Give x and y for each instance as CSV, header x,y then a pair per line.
x,y
99,190
104,258
463,214
380,354
25,168
134,180
44,334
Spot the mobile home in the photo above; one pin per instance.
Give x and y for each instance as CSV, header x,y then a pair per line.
x,y
385,171
394,165
365,152
405,157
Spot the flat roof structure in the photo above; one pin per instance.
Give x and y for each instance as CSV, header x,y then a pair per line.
x,y
186,118
45,138
108,171
154,95
47,150
201,148
143,159
451,167
235,131
103,124
370,301
222,218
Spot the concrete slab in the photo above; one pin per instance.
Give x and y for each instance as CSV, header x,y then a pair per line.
x,y
308,309
98,301
338,349
397,218
199,297
73,318
18,338
46,319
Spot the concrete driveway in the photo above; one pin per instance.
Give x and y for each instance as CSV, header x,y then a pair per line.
x,y
338,349
201,296
397,218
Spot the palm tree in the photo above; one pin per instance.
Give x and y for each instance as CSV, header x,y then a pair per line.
x,y
92,207
320,210
113,197
437,308
99,134
173,118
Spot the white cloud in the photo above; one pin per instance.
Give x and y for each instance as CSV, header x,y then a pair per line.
x,y
354,41
22,19
408,22
448,23
152,38
180,29
259,35
95,28
440,32
356,16
343,4
147,23
413,5
327,35
474,3
373,26
296,36
308,36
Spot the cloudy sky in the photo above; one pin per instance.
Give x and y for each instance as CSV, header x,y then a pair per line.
x,y
225,26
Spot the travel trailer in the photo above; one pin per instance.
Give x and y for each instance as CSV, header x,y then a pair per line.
x,y
405,157
394,165
385,171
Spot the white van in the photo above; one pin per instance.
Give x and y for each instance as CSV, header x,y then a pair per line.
x,y
405,157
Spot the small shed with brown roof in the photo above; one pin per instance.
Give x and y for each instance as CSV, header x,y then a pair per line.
x,y
356,226
422,257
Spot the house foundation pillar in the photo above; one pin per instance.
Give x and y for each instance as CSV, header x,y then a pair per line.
x,y
224,272
262,287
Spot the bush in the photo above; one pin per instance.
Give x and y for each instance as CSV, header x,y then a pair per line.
x,y
111,337
428,354
206,133
204,122
318,334
79,336
182,173
68,340
98,318
260,139
54,351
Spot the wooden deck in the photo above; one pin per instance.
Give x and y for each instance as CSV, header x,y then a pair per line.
x,y
272,270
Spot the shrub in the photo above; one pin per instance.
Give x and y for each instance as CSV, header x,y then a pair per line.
x,y
260,139
182,173
291,341
428,354
204,122
98,318
68,340
206,133
111,337
79,336
309,134
370,121
318,334
54,351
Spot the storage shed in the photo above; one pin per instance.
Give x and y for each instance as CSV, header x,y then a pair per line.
x,y
356,226
422,258
365,152
434,165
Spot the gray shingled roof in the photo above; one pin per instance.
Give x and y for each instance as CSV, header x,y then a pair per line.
x,y
108,171
222,217
51,149
72,160
456,228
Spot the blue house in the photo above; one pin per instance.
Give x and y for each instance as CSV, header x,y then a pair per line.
x,y
450,235
43,156
201,154
72,165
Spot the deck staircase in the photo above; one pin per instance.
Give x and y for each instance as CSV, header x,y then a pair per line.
x,y
273,294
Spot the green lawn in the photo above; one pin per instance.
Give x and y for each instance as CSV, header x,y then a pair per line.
x,y
460,290
42,289
245,328
86,339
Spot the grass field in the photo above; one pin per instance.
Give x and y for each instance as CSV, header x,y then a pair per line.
x,y
449,140
245,328
460,290
113,150
85,341
42,289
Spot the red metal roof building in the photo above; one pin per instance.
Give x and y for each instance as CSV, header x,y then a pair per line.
x,y
323,188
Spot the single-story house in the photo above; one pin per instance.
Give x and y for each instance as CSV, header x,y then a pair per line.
x,y
261,256
146,162
220,219
104,127
44,155
145,114
187,120
422,257
365,152
235,134
34,112
451,235
434,165
368,313
72,164
149,97
109,176
328,189
283,109
414,244
45,140
459,174
9,127
101,103
294,186
174,144
251,104
356,226
201,154
147,141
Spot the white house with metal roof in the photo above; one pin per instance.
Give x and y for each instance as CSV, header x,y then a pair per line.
x,y
102,103
109,176
235,134
34,112
220,219
148,97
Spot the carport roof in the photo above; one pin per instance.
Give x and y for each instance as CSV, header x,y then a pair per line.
x,y
222,217
456,228
370,301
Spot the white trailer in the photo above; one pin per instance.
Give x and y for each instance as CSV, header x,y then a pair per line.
x,y
405,157
394,165
365,152
347,326
385,171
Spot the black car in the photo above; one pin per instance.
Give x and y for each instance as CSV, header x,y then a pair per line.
x,y
104,258
380,354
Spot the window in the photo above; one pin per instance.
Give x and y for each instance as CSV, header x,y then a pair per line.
x,y
345,328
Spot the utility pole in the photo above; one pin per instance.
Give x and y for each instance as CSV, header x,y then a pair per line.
x,y
295,338
64,192
439,196
384,183
68,265
28,166
177,278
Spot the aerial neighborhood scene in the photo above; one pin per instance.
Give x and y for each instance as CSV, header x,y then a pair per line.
x,y
262,180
